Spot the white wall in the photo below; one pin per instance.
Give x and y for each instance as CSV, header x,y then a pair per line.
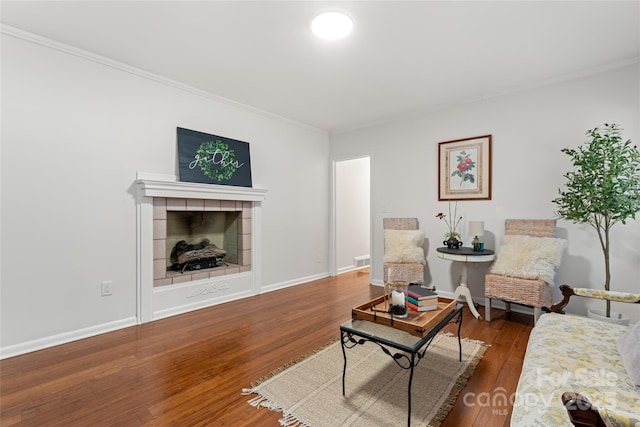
x,y
353,211
529,128
74,134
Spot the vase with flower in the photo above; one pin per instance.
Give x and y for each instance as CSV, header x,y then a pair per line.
x,y
452,222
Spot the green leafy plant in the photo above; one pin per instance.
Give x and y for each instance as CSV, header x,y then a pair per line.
x,y
604,187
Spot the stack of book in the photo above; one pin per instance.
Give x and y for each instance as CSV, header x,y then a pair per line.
x,y
421,299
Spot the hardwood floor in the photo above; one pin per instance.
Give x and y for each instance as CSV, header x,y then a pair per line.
x,y
190,369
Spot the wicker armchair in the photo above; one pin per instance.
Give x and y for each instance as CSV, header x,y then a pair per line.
x,y
412,272
530,292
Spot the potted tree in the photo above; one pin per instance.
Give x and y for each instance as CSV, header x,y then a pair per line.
x,y
604,187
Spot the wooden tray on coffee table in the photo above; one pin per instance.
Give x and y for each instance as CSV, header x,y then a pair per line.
x,y
417,323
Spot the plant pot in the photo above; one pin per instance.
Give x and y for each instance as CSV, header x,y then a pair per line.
x,y
452,243
617,318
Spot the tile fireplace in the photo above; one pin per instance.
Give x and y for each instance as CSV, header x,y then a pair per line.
x,y
223,217
224,223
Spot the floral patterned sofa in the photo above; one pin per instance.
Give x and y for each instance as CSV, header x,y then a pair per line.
x,y
599,361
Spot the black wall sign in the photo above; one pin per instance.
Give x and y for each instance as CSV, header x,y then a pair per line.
x,y
212,159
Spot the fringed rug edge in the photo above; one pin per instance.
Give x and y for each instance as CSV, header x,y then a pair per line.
x,y
261,401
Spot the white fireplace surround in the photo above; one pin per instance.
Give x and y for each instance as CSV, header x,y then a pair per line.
x,y
156,302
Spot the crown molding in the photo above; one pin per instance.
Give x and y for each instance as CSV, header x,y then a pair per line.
x,y
496,94
71,50
89,56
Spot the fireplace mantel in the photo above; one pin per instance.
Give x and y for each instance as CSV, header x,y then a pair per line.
x,y
158,185
156,302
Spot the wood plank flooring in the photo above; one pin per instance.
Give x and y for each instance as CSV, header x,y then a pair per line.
x,y
189,370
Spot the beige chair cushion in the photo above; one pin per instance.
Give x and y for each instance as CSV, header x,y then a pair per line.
x,y
403,246
527,257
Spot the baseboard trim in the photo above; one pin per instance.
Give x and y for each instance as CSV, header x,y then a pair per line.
x,y
54,340
515,307
186,308
283,285
67,337
351,268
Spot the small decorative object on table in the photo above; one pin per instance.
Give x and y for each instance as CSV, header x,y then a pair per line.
x,y
452,243
421,299
476,228
452,235
398,299
396,292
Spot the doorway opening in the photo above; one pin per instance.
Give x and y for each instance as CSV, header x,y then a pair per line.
x,y
352,215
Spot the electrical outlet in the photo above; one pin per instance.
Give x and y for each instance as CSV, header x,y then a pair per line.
x,y
107,288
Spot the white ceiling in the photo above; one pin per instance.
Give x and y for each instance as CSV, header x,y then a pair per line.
x,y
402,58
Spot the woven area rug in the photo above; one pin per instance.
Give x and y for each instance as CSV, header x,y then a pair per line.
x,y
309,393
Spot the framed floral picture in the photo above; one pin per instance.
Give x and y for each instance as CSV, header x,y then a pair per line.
x,y
464,167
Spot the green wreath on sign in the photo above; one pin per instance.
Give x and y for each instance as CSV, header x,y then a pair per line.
x,y
220,162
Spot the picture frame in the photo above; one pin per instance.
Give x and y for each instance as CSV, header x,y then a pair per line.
x,y
212,159
464,169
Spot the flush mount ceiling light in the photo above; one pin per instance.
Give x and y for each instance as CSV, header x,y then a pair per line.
x,y
331,25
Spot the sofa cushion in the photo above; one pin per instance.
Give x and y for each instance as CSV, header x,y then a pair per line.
x,y
572,353
617,418
629,349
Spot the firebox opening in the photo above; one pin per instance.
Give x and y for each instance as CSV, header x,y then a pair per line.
x,y
204,231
